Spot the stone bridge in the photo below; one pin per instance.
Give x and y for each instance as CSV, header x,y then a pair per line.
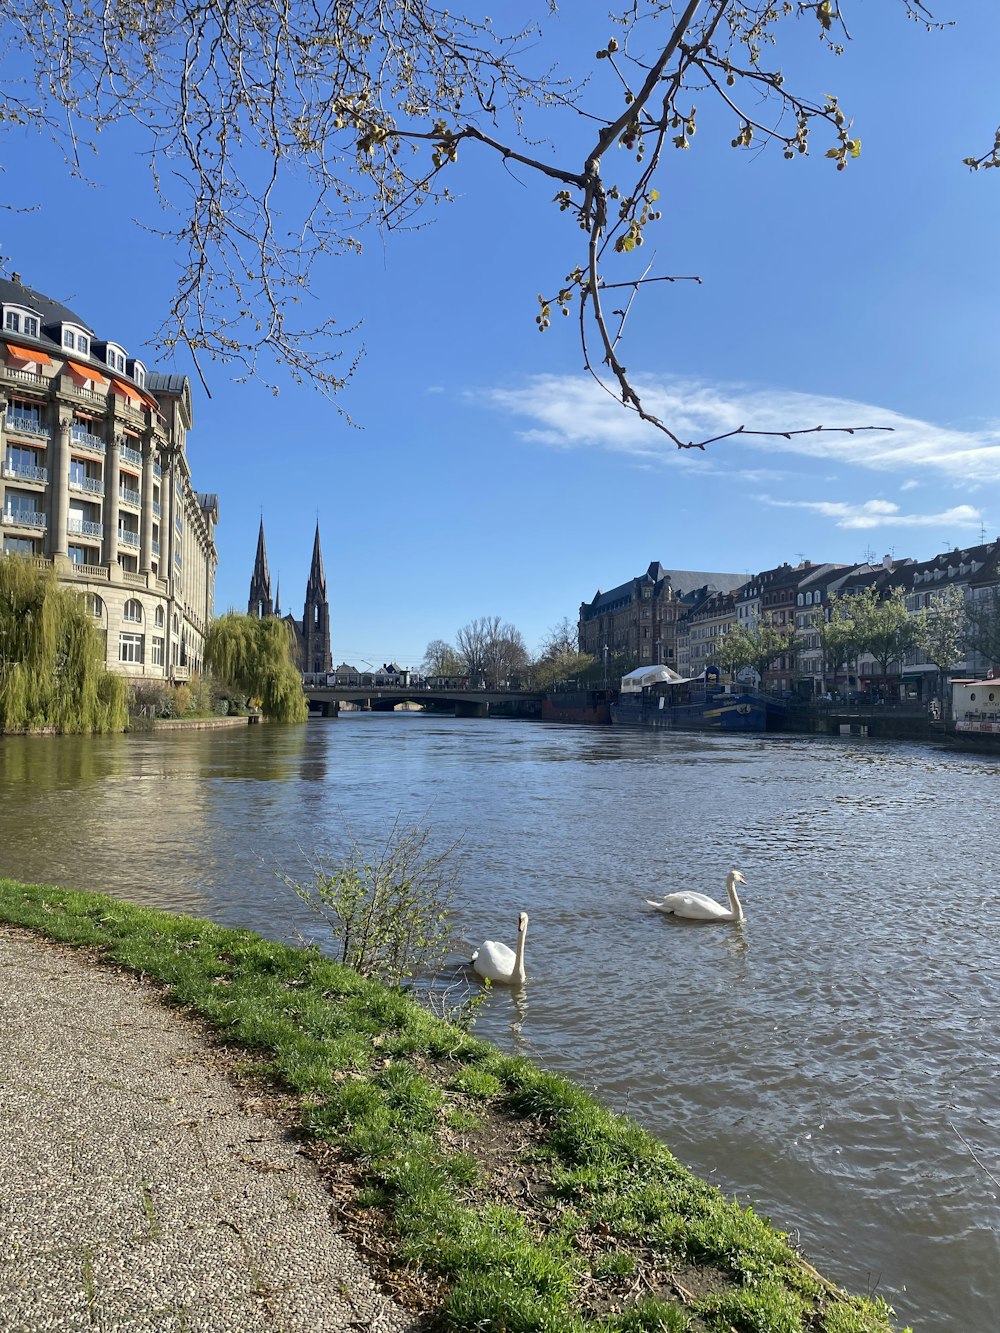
x,y
327,700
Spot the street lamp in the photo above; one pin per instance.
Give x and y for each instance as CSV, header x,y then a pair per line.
x,y
605,666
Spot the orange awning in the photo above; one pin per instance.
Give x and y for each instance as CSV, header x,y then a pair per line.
x,y
29,354
85,372
126,391
150,401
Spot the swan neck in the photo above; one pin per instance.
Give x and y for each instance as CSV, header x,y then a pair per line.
x,y
518,972
734,901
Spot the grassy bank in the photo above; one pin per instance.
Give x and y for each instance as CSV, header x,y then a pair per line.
x,y
485,1191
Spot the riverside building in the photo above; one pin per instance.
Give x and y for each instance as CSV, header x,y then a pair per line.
x,y
95,481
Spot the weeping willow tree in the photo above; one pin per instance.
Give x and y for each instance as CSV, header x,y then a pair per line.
x,y
52,671
256,656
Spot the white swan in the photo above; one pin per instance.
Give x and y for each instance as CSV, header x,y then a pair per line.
x,y
496,962
699,907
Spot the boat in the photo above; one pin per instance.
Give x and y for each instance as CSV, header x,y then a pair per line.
x,y
658,697
975,711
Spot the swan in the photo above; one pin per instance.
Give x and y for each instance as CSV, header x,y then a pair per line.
x,y
699,907
496,962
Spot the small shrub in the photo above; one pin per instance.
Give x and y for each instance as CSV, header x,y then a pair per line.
x,y
390,912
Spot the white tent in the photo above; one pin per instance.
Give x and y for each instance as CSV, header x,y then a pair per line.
x,y
651,675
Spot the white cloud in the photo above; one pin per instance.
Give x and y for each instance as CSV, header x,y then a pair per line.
x,y
571,412
880,514
910,485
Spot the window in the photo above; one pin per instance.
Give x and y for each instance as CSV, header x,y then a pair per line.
x,y
133,611
78,554
69,339
83,344
130,648
158,618
31,326
94,604
77,471
156,652
19,546
12,321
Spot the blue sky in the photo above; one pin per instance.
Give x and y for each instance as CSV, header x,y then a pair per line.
x,y
487,476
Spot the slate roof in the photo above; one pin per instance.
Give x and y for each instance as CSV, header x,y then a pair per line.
x,y
50,313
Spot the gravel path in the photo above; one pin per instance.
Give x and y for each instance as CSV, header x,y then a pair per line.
x,y
140,1192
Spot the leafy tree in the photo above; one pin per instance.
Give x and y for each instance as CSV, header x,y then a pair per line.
x,y
983,626
441,659
276,134
52,665
884,627
256,656
754,646
941,631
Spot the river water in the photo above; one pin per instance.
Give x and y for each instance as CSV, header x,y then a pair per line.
x,y
833,1060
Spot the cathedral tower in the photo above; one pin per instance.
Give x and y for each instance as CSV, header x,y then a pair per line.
x,y
315,639
260,604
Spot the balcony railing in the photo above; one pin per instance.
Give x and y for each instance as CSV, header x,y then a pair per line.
x,y
25,471
157,470
156,509
156,547
25,518
86,440
128,538
94,485
130,455
83,527
84,571
32,376
26,425
129,496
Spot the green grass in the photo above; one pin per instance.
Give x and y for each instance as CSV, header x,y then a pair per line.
x,y
528,1206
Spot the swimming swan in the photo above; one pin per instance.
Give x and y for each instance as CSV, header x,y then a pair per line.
x,y
496,962
699,907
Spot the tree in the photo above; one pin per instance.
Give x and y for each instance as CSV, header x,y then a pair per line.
x,y
983,625
52,671
257,656
490,650
368,105
440,659
754,646
878,625
941,629
560,657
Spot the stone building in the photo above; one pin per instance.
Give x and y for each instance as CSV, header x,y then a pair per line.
x,y
95,481
637,621
312,632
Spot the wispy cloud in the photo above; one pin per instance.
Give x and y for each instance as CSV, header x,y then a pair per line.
x,y
879,514
571,412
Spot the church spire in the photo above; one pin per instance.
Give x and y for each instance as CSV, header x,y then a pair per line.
x,y
260,604
316,656
316,587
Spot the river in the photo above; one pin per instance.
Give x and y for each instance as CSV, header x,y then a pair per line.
x,y
833,1060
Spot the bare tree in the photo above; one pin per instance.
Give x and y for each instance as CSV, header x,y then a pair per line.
x,y
365,106
471,643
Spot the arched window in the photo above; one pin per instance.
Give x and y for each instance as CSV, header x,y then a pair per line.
x,y
133,611
94,604
159,617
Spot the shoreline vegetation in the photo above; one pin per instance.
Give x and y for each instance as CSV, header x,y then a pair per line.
x,y
485,1193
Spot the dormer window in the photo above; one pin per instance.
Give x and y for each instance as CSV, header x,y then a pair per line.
x,y
20,321
115,357
69,339
139,373
82,344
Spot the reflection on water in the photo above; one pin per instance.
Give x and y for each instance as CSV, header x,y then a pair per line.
x,y
834,1058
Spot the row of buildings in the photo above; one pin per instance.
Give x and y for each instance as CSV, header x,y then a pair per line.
x,y
678,618
95,482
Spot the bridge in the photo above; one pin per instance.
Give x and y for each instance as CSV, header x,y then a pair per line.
x,y
383,698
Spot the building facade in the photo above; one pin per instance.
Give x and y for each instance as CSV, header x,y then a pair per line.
x,y
637,621
95,481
